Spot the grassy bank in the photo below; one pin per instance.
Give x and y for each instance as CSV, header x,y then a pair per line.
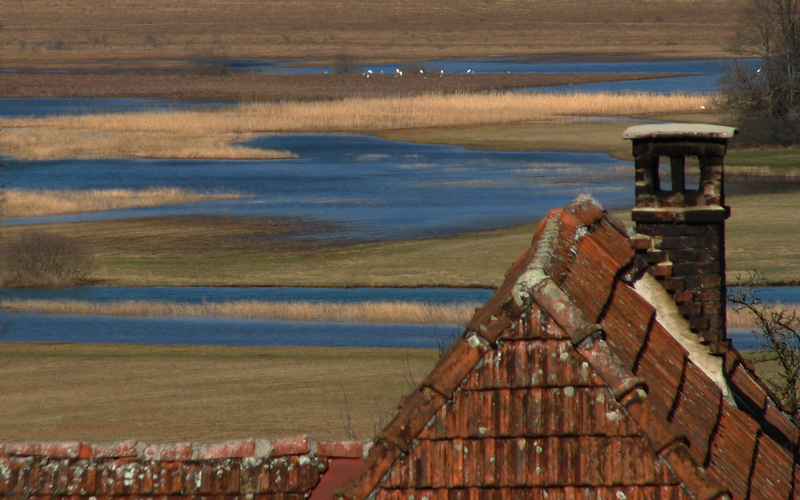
x,y
248,87
173,393
184,133
762,235
359,312
36,202
233,251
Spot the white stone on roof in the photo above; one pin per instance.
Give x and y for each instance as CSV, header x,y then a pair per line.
x,y
674,130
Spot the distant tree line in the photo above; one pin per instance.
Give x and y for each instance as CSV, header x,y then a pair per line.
x,y
765,100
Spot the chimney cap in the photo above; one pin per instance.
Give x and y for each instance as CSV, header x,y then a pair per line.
x,y
679,130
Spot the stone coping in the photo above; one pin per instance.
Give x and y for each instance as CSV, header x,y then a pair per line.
x,y
185,451
679,130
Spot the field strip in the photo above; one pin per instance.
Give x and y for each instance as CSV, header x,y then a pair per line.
x,y
361,312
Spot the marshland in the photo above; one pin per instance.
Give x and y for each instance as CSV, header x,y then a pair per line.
x,y
190,235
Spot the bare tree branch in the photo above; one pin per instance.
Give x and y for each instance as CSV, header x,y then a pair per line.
x,y
779,337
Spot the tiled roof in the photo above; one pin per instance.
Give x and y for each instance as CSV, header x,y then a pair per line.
x,y
577,379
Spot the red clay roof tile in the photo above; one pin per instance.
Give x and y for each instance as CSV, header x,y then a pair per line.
x,y
777,419
748,388
229,449
591,278
168,452
418,409
772,472
732,450
661,362
379,460
455,365
696,411
299,445
626,323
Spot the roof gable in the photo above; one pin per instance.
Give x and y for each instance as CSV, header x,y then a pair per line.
x,y
569,358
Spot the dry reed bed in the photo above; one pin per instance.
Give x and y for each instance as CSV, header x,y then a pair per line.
x,y
743,318
745,173
36,203
130,134
362,312
34,142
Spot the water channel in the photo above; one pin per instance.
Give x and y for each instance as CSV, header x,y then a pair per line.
x,y
367,188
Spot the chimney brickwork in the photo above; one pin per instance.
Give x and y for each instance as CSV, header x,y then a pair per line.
x,y
682,231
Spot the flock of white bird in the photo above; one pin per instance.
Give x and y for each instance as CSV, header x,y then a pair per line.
x,y
399,72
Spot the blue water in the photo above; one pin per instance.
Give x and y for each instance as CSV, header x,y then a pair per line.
x,y
775,294
705,73
214,331
495,65
202,294
238,332
371,188
700,84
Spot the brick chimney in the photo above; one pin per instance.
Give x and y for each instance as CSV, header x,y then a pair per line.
x,y
684,229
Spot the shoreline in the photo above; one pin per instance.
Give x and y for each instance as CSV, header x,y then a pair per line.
x,y
243,87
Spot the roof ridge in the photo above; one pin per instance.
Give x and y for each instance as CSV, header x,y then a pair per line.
x,y
736,359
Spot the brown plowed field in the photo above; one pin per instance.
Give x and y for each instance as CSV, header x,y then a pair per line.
x,y
57,32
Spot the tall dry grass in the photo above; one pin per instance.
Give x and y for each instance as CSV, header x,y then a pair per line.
x,y
42,142
362,312
128,134
763,174
35,202
744,319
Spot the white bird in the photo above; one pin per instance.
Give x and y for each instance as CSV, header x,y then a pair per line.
x,y
398,72
421,72
369,71
758,70
702,107
469,71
